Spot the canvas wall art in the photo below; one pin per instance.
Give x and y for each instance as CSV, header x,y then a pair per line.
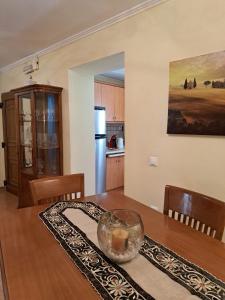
x,y
197,95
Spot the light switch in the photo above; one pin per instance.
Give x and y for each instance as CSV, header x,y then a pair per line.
x,y
153,161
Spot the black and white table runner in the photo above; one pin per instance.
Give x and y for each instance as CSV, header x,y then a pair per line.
x,y
156,273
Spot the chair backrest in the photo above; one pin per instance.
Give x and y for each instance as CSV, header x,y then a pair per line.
x,y
50,189
198,211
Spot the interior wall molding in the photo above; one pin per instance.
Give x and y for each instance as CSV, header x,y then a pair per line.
x,y
84,33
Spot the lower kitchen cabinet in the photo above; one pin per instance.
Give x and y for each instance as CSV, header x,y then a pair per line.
x,y
114,172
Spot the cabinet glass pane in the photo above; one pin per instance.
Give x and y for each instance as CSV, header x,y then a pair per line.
x,y
48,161
47,133
25,121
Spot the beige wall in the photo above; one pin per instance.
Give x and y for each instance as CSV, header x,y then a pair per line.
x,y
173,30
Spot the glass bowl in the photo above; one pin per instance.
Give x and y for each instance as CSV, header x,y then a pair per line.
x,y
120,234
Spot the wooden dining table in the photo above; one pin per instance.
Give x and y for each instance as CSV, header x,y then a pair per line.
x,y
35,267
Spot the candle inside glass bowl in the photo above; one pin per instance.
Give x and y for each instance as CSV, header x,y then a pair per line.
x,y
119,239
120,234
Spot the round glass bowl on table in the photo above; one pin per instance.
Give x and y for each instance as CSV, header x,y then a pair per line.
x,y
120,234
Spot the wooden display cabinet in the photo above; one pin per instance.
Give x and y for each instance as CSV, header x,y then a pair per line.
x,y
38,136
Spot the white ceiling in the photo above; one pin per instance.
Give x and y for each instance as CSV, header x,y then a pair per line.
x,y
117,74
27,26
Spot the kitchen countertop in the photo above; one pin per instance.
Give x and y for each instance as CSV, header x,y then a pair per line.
x,y
114,151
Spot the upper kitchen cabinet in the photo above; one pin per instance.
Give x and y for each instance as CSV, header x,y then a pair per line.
x,y
119,103
38,136
108,101
112,98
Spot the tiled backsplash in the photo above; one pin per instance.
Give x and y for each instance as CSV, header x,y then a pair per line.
x,y
114,128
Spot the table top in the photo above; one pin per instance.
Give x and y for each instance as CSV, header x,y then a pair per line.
x,y
36,267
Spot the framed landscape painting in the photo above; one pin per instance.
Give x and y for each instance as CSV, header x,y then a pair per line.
x,y
197,95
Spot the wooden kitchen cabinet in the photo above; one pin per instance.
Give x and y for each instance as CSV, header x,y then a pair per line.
x,y
114,172
112,98
119,104
108,101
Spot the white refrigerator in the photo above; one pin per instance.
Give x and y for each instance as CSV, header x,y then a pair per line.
x,y
100,150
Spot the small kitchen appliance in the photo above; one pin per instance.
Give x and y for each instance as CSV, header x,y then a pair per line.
x,y
119,143
112,142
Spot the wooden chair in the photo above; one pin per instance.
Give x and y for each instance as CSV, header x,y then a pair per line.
x,y
50,189
198,211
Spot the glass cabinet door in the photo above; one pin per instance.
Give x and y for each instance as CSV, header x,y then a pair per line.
x,y
26,137
47,134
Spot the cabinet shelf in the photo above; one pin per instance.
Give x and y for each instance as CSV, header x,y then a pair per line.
x,y
28,121
47,148
26,145
46,120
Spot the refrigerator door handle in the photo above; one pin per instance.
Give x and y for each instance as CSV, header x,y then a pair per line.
x,y
100,136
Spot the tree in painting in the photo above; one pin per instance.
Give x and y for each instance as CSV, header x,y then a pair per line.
x,y
197,95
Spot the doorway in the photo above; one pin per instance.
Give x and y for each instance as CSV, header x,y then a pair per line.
x,y
81,115
109,94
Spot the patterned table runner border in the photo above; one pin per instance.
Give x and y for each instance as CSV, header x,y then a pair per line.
x,y
105,276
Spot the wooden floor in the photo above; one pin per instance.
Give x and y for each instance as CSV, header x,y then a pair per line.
x,y
1,288
8,204
8,207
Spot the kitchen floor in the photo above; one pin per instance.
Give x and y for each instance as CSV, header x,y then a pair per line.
x,y
120,191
